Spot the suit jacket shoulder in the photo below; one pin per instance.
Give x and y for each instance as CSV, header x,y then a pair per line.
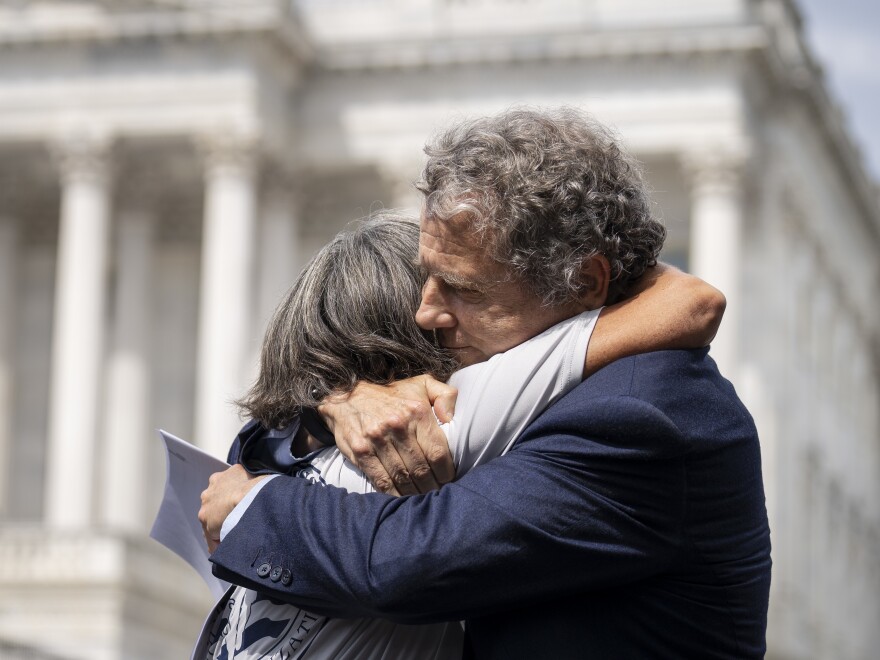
x,y
671,401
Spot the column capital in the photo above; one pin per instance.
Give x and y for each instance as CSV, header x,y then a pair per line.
x,y
715,167
83,156
228,151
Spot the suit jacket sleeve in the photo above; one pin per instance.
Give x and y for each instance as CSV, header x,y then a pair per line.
x,y
562,512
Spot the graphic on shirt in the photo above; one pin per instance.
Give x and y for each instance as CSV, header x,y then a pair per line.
x,y
311,473
255,626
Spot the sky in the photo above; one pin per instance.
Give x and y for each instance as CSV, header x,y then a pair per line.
x,y
845,35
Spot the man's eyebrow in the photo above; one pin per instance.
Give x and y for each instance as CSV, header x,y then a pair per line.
x,y
458,281
452,279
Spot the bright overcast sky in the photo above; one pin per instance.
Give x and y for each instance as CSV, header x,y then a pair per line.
x,y
845,35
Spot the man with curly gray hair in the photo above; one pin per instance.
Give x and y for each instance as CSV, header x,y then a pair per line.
x,y
546,192
627,521
550,210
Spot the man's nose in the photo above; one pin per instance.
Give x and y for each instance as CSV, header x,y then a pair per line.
x,y
433,313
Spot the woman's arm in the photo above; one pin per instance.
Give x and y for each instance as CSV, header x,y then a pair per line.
x,y
665,309
499,398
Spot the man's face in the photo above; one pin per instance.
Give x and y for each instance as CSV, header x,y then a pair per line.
x,y
468,299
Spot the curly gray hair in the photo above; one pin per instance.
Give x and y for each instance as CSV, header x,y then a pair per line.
x,y
546,191
350,316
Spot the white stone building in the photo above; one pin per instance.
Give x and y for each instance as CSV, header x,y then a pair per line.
x,y
166,167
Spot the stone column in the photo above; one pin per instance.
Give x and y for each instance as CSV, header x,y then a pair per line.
x,y
78,331
716,241
225,316
279,260
9,246
127,411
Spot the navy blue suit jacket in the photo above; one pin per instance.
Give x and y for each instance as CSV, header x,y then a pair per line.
x,y
628,521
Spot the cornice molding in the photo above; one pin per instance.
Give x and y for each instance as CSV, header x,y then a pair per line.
x,y
772,36
796,73
255,19
455,50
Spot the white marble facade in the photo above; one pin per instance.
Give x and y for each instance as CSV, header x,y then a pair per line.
x,y
166,168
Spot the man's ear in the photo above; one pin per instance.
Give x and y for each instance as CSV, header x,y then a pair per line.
x,y
596,277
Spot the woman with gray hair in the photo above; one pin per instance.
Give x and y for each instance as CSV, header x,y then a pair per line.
x,y
350,317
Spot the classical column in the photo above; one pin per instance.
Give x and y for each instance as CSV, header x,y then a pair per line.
x,y
9,245
78,331
225,289
126,414
716,241
279,260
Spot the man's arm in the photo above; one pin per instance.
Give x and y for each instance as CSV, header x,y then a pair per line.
x,y
390,434
561,513
498,399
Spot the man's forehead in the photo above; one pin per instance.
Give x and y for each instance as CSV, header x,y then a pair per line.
x,y
460,271
481,274
453,237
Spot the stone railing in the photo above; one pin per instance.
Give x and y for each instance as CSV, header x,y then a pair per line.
x,y
33,555
13,651
93,595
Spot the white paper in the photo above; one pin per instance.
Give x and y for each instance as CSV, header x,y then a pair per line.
x,y
177,527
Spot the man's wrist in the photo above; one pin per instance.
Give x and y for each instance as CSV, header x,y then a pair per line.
x,y
240,508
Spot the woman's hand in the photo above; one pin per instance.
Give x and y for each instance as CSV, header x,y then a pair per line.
x,y
225,490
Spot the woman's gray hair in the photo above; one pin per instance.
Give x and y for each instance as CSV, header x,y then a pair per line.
x,y
546,191
350,316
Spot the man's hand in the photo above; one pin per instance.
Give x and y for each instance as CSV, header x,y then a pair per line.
x,y
391,432
225,490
